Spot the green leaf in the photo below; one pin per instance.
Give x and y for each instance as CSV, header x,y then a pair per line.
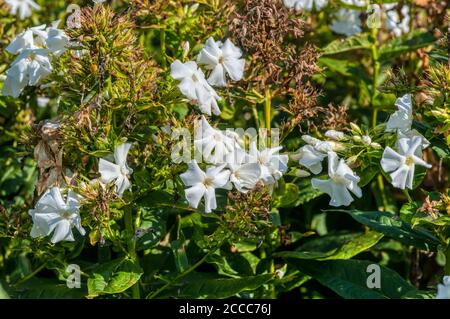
x,y
420,294
179,253
290,194
114,277
406,43
231,265
3,293
334,246
153,224
343,67
306,192
40,288
393,227
355,42
348,278
222,287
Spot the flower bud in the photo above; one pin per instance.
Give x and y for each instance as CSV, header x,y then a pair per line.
x,y
352,160
355,128
185,45
301,173
310,140
366,140
375,145
334,135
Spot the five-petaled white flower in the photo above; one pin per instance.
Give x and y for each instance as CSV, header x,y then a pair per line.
x,y
213,143
35,47
401,164
305,4
402,118
52,214
443,290
273,165
244,174
221,59
30,67
342,181
203,185
56,39
194,86
23,7
347,22
119,171
311,158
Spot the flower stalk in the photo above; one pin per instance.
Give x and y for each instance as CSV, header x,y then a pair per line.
x,y
267,111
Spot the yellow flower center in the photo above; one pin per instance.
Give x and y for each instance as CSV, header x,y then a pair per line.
x,y
66,214
339,179
208,182
409,161
31,57
221,60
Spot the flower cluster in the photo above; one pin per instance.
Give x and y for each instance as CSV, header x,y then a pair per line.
x,y
342,180
35,48
399,162
348,22
52,214
22,7
229,165
220,59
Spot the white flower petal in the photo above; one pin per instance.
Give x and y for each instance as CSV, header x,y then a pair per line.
x,y
194,194
193,175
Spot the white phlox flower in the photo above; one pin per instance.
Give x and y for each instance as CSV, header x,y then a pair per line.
x,y
402,118
443,290
311,158
194,86
342,181
35,47
394,22
411,134
359,3
273,165
56,40
222,59
335,135
347,22
401,163
306,5
118,171
22,7
53,214
204,185
30,67
213,143
243,173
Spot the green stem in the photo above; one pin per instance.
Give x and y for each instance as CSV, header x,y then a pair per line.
x,y
267,111
447,262
405,191
162,40
383,192
131,245
28,277
376,74
185,273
